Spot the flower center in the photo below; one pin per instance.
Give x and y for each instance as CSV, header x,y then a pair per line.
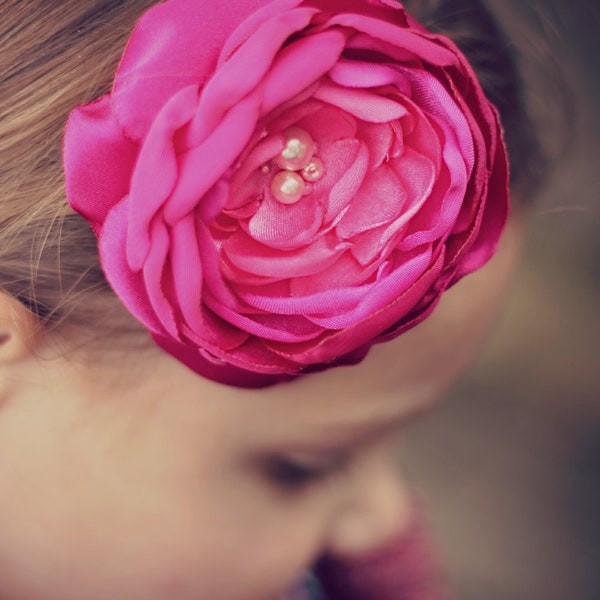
x,y
300,168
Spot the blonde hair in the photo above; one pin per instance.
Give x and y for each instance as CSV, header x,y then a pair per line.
x,y
59,54
55,55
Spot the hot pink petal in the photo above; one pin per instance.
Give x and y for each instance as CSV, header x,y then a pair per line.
x,y
211,159
289,329
95,182
336,344
174,45
243,73
156,172
301,64
128,285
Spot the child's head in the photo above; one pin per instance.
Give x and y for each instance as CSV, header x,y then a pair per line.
x,y
122,472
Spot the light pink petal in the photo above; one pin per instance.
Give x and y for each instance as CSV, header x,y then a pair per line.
x,y
319,303
408,40
339,343
378,138
346,162
211,264
388,289
344,273
417,175
423,227
364,105
433,98
240,278
253,257
424,136
360,74
329,125
379,201
285,226
370,246
436,219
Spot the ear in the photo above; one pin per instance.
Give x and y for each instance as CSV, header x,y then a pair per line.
x,y
19,330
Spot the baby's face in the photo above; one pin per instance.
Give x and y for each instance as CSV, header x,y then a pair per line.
x,y
136,479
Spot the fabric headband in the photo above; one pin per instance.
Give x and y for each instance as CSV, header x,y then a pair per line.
x,y
277,186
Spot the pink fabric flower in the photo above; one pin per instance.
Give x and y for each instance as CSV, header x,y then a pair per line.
x,y
246,263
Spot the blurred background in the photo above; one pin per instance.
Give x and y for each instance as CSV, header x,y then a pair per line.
x,y
509,465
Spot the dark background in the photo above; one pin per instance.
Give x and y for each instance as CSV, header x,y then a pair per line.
x,y
509,466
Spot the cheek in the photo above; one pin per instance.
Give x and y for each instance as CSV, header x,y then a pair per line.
x,y
83,520
97,544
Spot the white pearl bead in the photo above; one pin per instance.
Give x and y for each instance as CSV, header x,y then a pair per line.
x,y
288,187
299,149
314,170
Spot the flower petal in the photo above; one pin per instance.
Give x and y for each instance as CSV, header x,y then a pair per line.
x,y
285,226
364,105
251,256
379,201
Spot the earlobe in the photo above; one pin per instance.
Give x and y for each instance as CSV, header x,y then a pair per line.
x,y
19,330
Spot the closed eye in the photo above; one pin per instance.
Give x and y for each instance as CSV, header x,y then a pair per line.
x,y
294,475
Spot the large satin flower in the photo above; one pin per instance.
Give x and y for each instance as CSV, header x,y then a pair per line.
x,y
277,186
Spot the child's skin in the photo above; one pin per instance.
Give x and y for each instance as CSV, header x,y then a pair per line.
x,y
130,477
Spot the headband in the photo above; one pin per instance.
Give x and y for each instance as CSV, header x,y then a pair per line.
x,y
278,185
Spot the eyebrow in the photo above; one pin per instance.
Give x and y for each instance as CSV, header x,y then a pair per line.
x,y
340,436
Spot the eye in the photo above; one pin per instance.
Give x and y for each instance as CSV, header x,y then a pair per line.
x,y
294,475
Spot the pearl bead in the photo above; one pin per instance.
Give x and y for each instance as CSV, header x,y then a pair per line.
x,y
287,187
298,151
314,170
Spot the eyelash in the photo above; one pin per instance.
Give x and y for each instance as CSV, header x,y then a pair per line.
x,y
295,476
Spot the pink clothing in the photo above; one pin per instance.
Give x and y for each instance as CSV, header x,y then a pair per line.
x,y
402,570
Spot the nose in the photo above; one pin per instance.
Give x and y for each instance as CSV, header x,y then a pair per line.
x,y
377,508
